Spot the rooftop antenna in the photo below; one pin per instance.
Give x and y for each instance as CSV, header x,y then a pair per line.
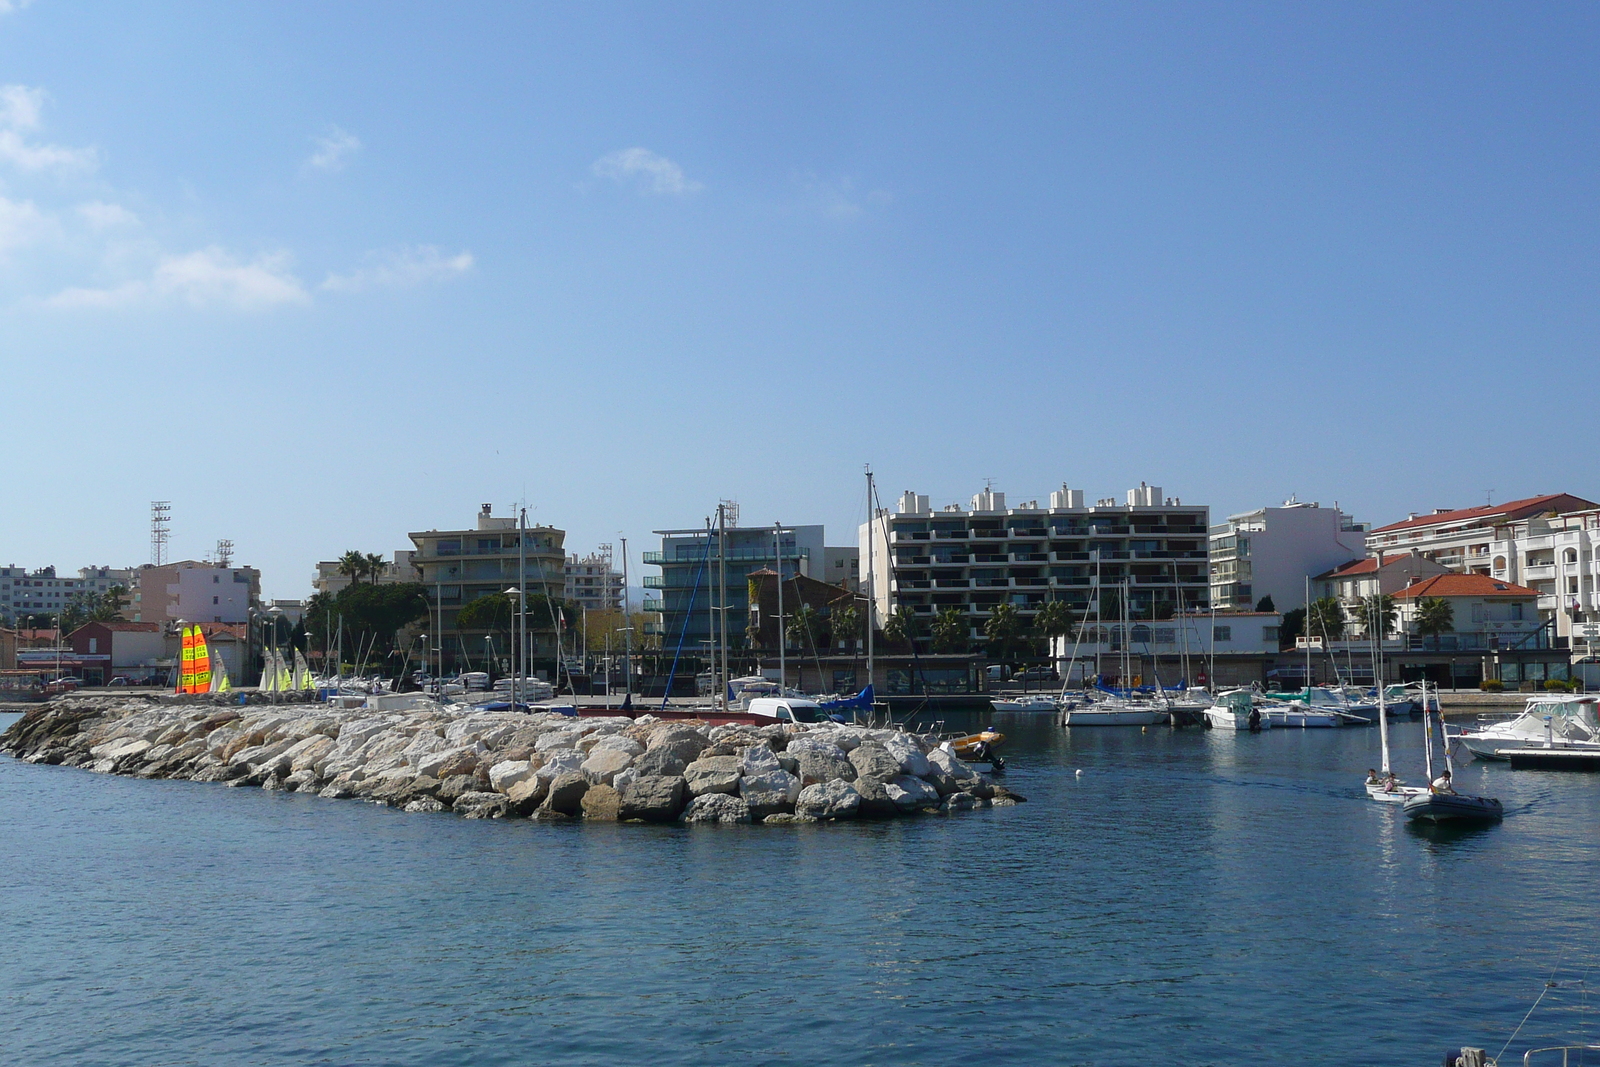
x,y
224,552
730,512
160,531
1488,498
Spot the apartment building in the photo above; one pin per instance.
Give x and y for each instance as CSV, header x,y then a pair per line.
x,y
1558,557
194,591
706,570
1463,539
459,566
41,591
331,581
975,558
1270,552
593,582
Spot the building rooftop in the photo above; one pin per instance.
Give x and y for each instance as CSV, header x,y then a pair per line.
x,y
1463,585
1514,509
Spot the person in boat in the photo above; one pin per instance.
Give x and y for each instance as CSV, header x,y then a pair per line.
x,y
1442,783
1372,777
1390,782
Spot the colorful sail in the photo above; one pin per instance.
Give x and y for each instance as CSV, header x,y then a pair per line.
x,y
285,678
186,659
200,680
220,682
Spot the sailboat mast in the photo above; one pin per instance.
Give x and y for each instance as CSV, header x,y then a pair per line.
x,y
872,586
1307,630
627,628
722,580
777,555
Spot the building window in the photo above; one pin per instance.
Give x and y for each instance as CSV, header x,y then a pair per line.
x,y
1269,633
216,579
1223,633
214,600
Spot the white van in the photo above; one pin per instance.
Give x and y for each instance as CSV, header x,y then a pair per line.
x,y
787,709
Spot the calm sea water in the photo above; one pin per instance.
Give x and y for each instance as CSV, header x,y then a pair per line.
x,y
1193,897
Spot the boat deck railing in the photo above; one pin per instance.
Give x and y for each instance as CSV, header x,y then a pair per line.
x,y
1566,1054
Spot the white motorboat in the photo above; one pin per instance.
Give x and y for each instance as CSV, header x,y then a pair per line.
x,y
1548,722
1233,711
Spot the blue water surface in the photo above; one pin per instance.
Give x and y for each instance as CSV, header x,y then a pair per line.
x,y
1193,897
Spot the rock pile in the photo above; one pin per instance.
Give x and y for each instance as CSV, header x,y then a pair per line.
x,y
503,764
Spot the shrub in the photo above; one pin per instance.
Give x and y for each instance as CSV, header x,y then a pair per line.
x,y
1492,685
1556,685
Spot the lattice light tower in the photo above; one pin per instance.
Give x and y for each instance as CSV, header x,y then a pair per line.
x,y
224,553
160,530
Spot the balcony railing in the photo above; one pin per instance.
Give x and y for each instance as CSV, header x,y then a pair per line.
x,y
652,605
696,554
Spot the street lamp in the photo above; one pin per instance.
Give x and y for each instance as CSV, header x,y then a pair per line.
x,y
515,596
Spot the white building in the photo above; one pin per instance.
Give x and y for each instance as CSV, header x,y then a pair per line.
x,y
24,592
975,558
330,581
594,582
1558,557
1270,552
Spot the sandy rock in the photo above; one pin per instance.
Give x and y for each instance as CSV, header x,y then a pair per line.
x,y
307,754
959,802
555,740
715,774
425,804
454,786
814,765
559,762
601,802
659,761
620,782
654,798
716,808
874,796
768,793
619,743
830,800
527,794
684,742
604,764
507,773
566,793
480,805
784,818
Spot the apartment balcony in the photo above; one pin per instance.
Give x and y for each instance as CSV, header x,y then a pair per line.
x,y
1065,583
992,583
1030,557
982,557
952,583
950,535
653,581
652,605
913,561
1106,553
741,555
915,583
1019,582
989,533
1069,557
954,560
898,536
1030,531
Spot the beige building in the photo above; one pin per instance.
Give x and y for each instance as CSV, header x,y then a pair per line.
x,y
459,566
193,591
331,582
594,582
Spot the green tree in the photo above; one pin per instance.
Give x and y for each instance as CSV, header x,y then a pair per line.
x,y
1054,619
1435,616
375,612
1265,604
845,623
78,610
903,627
1378,614
110,604
1003,629
950,631
1325,619
1294,624
805,629
374,566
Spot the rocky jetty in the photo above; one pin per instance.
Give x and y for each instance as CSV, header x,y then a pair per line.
x,y
504,764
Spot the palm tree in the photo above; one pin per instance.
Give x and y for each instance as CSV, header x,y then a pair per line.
x,y
803,627
1378,614
1435,616
950,631
353,565
903,627
1054,619
845,622
1325,619
375,566
1003,629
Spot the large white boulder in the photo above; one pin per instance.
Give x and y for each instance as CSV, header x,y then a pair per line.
x,y
507,773
912,761
828,800
561,762
771,792
618,743
603,765
556,740
759,760
909,794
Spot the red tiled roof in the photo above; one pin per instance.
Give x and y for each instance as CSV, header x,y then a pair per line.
x,y
135,627
1514,509
1463,585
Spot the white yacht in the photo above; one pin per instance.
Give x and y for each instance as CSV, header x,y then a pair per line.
x,y
1232,709
1548,722
1301,715
1116,711
1026,703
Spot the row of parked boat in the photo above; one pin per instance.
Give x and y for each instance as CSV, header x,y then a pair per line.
x,y
1314,707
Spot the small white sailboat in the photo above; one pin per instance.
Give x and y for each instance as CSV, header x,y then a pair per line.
x,y
1385,786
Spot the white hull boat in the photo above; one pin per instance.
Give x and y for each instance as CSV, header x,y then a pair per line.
x,y
1106,714
1301,716
1395,794
1222,717
1566,724
1036,704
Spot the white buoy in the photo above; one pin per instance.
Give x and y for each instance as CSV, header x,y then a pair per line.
x,y
1080,772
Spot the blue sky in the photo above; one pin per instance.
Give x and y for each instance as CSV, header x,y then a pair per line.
x,y
323,274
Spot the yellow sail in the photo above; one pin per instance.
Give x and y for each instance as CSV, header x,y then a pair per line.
x,y
220,683
186,659
200,680
285,678
302,672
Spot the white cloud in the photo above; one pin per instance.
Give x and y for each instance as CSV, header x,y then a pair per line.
x,y
22,223
206,277
9,6
401,268
103,216
20,109
333,150
642,167
837,198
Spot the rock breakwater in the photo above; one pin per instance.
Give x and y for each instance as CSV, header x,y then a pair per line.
x,y
505,764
